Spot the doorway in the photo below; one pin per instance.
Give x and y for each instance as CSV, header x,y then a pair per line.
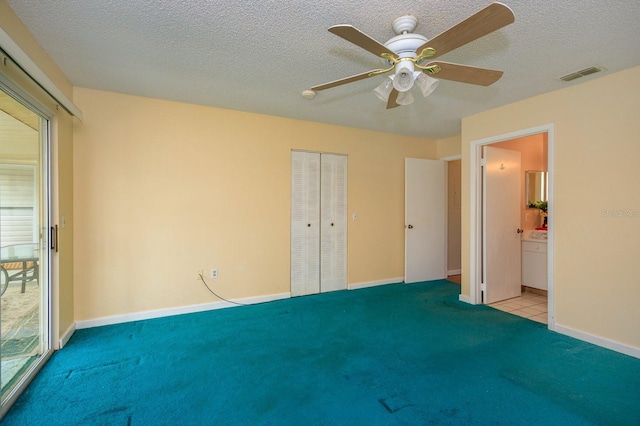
x,y
476,197
425,220
453,165
433,200
24,223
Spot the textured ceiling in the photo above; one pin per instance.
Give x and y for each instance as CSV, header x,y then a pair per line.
x,y
258,56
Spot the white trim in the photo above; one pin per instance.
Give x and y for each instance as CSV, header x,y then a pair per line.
x,y
551,177
599,341
33,70
452,158
475,181
66,335
454,272
159,313
356,286
463,298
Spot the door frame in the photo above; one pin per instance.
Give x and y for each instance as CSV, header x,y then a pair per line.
x,y
475,218
447,160
46,201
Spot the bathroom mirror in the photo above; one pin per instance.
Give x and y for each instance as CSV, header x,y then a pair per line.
x,y
535,186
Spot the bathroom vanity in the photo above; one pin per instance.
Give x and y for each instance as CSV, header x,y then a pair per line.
x,y
534,262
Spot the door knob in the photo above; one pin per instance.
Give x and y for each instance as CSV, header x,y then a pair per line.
x,y
309,225
520,231
410,226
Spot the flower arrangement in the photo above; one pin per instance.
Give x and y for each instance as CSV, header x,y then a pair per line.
x,y
542,206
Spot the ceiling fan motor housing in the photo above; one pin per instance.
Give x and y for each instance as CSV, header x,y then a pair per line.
x,y
405,45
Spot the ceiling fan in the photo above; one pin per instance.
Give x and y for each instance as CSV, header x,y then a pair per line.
x,y
411,55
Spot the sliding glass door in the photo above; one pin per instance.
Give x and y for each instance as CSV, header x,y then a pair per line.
x,y
24,224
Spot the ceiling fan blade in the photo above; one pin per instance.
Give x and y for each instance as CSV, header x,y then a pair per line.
x,y
346,80
488,20
464,73
357,37
393,96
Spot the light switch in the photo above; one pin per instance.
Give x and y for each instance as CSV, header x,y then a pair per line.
x,y
355,217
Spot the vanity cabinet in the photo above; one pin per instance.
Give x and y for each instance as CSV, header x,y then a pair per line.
x,y
534,264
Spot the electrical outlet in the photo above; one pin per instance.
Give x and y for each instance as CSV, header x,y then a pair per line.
x,y
199,276
527,217
214,273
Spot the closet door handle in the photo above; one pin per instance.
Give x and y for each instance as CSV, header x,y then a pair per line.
x,y
332,224
410,226
308,225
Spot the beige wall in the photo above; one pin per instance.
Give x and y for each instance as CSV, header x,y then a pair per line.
x,y
449,147
164,189
597,158
62,172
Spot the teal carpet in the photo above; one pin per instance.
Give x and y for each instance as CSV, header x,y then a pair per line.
x,y
389,355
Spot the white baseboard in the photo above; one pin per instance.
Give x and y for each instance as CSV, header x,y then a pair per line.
x,y
159,313
66,335
356,286
597,340
454,272
463,298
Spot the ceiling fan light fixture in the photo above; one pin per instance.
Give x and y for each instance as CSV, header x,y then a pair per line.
x,y
384,89
425,83
404,98
403,79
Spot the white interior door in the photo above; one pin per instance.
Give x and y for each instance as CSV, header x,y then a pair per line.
x,y
502,271
333,228
425,224
305,223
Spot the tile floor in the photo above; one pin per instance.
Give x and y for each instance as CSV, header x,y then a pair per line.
x,y
528,305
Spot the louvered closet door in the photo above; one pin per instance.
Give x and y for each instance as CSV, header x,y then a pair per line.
x,y
305,223
333,229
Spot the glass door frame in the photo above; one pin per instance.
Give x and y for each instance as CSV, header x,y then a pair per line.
x,y
46,240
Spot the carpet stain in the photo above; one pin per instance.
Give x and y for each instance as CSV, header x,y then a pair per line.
x,y
107,366
395,403
448,412
119,415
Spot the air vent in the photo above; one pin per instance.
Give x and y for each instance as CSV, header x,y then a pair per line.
x,y
582,73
